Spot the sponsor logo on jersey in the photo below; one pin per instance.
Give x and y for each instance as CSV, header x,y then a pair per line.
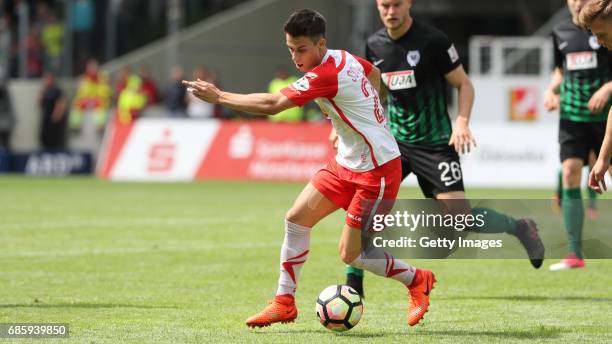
x,y
453,54
594,43
581,60
303,83
354,217
413,57
399,80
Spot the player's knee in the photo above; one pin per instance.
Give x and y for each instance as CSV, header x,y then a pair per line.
x,y
571,171
571,175
292,215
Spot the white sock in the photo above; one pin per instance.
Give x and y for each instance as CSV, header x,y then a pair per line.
x,y
386,266
293,255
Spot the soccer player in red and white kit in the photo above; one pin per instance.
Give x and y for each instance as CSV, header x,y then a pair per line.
x,y
366,167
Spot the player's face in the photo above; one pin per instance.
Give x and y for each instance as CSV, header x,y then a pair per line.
x,y
305,53
574,7
603,30
394,13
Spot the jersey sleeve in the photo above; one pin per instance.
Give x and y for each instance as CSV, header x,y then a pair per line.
x,y
446,57
321,82
367,66
558,56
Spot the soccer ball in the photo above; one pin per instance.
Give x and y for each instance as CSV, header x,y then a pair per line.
x,y
339,308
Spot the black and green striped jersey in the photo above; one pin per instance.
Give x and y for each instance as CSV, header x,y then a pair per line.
x,y
586,67
413,69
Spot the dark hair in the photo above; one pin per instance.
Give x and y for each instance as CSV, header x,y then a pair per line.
x,y
593,10
307,23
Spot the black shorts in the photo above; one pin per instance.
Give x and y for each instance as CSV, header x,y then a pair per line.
x,y
577,139
437,168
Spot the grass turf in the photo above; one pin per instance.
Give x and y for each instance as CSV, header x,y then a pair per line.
x,y
187,263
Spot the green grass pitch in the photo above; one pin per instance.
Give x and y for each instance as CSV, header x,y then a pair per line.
x,y
189,262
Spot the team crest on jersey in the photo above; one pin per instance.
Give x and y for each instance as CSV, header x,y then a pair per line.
x,y
399,80
413,57
581,60
594,43
303,83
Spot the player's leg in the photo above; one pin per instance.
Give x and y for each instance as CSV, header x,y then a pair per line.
x,y
592,212
573,214
574,140
525,230
419,282
354,276
309,208
440,176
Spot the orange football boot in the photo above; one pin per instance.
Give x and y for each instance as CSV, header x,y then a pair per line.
x,y
280,309
419,290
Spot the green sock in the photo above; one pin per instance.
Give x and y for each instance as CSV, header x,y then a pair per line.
x,y
592,198
494,222
354,271
573,218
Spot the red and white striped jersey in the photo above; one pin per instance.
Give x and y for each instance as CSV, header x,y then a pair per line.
x,y
339,85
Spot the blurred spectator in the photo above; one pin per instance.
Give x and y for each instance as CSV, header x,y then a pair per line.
x,y
53,105
197,108
93,98
149,86
132,100
283,79
35,53
122,79
53,43
7,118
175,93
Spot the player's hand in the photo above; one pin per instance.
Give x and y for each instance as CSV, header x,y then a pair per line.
x,y
551,101
203,90
333,139
597,176
599,100
462,138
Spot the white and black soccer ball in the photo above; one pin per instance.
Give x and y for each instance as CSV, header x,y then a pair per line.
x,y
339,308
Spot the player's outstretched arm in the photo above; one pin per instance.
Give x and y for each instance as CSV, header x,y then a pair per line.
x,y
255,103
551,95
462,138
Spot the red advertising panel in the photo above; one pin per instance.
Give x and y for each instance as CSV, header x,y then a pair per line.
x,y
267,151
